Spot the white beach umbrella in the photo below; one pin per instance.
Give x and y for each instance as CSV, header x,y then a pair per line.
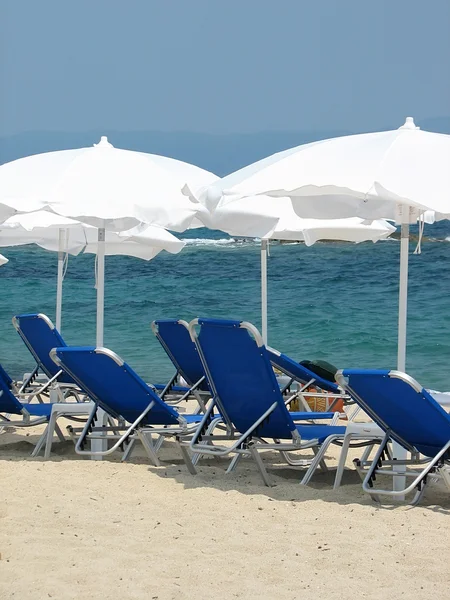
x,y
3,260
68,236
392,174
103,186
109,188
363,175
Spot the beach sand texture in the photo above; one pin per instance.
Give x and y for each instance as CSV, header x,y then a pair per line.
x,y
75,528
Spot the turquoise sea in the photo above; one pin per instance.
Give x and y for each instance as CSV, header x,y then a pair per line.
x,y
336,301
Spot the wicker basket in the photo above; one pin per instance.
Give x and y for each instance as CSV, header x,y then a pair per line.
x,y
318,403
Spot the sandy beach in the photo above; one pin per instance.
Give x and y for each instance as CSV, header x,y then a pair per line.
x,y
245,204
72,528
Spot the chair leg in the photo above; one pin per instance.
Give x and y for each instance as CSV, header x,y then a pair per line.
x,y
313,466
418,495
148,446
372,468
52,426
318,459
159,442
196,456
187,458
129,449
59,433
234,462
262,469
40,443
322,463
366,453
342,460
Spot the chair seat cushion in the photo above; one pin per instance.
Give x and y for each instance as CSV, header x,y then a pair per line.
x,y
302,416
38,410
192,418
319,432
176,388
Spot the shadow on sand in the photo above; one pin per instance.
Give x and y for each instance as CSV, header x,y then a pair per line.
x,y
211,473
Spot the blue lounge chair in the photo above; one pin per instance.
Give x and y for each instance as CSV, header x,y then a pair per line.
x,y
40,336
410,416
32,414
28,388
122,394
247,395
37,414
7,380
175,339
173,335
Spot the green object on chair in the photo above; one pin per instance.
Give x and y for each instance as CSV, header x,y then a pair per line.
x,y
322,368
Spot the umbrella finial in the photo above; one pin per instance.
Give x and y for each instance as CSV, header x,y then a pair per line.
x,y
409,124
103,143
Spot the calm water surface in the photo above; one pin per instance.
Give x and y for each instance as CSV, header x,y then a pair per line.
x,y
335,301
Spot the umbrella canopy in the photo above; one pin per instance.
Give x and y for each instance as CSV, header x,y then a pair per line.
x,y
68,236
11,205
274,218
346,230
364,175
43,228
249,217
104,186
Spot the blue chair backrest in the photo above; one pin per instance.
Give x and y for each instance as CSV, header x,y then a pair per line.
x,y
175,339
40,336
398,404
299,372
241,377
8,402
113,384
6,378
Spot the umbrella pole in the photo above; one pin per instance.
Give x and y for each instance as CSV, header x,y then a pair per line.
x,y
100,285
100,445
403,297
398,451
59,283
264,290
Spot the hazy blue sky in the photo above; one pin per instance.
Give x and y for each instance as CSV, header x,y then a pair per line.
x,y
222,65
